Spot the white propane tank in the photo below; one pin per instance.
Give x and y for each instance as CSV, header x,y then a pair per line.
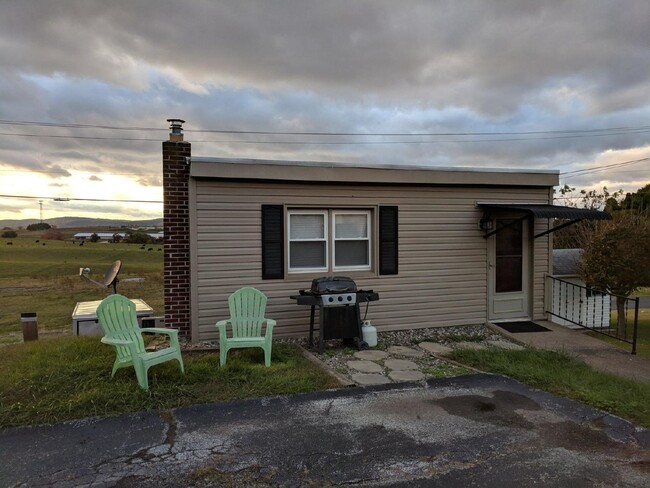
x,y
369,333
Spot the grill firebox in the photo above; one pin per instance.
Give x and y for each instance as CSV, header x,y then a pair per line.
x,y
337,299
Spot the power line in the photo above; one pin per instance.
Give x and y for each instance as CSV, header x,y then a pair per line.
x,y
66,199
580,172
614,130
329,143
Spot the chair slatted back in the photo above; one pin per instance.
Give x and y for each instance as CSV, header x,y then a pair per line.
x,y
118,319
247,306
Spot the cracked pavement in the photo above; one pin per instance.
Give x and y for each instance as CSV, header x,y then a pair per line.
x,y
476,430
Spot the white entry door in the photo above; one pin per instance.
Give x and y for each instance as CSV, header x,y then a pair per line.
x,y
508,271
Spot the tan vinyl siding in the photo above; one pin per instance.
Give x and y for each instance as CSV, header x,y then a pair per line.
x,y
442,278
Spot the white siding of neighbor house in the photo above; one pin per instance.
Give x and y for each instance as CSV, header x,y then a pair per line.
x,y
572,302
442,278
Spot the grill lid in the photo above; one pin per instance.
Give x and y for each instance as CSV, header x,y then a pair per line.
x,y
333,284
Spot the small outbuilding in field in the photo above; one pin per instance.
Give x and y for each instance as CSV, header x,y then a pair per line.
x,y
441,246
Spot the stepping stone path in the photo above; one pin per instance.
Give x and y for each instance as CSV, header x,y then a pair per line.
x,y
371,355
364,366
370,366
435,348
406,375
364,379
404,351
400,364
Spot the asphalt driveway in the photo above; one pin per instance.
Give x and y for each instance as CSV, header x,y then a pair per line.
x,y
478,430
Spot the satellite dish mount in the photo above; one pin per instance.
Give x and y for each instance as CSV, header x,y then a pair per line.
x,y
110,277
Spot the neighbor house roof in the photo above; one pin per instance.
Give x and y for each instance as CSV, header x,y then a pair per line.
x,y
565,261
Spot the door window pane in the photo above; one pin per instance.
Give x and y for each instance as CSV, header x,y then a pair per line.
x,y
509,257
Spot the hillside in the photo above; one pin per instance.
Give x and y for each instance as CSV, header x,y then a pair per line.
x,y
82,222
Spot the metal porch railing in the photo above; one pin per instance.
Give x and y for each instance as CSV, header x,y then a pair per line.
x,y
574,304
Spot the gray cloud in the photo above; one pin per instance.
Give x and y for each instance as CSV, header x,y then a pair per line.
x,y
363,66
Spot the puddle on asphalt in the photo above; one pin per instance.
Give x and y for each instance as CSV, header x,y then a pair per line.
x,y
497,410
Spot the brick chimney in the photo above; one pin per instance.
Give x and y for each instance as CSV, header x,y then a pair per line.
x,y
176,171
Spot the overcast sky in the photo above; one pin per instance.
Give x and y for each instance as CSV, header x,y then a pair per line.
x,y
492,70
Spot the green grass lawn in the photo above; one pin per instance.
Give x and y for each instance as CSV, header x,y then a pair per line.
x,y
643,333
66,378
560,374
45,280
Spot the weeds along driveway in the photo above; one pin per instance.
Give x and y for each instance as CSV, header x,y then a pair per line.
x,y
476,430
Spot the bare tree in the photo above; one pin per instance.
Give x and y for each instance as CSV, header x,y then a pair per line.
x,y
616,257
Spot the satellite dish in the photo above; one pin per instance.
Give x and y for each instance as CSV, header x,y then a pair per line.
x,y
110,277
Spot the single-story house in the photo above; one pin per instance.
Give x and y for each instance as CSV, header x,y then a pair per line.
x,y
574,304
108,236
441,246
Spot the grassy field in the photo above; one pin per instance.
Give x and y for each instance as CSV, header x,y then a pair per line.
x,y
45,279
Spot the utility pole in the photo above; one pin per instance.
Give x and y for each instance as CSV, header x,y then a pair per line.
x,y
40,203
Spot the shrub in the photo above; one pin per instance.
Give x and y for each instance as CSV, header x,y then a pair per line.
x,y
8,234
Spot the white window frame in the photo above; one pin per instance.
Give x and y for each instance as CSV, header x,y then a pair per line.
x,y
325,239
367,239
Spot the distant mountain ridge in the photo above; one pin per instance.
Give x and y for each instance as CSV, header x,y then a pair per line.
x,y
72,222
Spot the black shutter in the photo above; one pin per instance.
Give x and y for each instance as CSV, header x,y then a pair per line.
x,y
387,240
272,242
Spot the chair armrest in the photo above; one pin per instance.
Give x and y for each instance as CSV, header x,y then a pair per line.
x,y
270,323
121,342
221,325
159,330
116,342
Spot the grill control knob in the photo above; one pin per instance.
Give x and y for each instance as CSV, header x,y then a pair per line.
x,y
349,298
330,299
340,299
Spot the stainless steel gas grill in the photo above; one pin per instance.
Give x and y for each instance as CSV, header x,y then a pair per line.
x,y
337,299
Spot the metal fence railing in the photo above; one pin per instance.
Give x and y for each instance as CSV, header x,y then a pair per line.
x,y
573,304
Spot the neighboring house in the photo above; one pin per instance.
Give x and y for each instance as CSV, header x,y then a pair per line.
x,y
103,236
571,298
108,236
441,246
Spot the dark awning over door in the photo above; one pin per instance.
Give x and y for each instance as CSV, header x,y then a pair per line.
x,y
545,211
542,211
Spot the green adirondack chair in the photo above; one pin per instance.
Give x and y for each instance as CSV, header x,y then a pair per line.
x,y
118,319
247,307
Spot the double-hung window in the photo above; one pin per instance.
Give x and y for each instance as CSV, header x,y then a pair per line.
x,y
351,239
308,240
329,240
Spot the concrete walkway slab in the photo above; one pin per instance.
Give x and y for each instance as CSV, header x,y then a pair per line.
x,y
596,353
406,375
477,430
364,366
367,379
400,364
371,355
